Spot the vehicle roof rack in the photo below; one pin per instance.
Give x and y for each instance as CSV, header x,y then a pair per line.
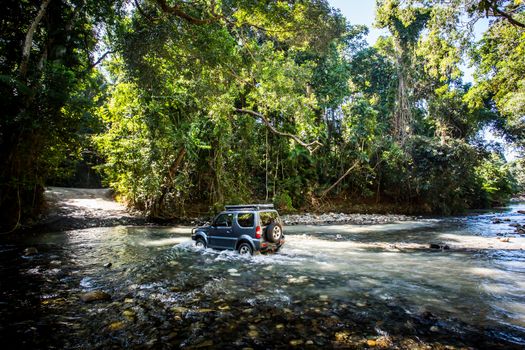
x,y
249,206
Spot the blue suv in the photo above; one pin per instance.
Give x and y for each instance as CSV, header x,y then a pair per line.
x,y
249,229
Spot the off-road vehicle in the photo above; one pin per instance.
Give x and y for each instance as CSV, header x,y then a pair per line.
x,y
248,228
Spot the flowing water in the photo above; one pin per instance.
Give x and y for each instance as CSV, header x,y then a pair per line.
x,y
337,286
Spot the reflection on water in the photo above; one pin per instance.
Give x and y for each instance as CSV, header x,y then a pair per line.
x,y
330,286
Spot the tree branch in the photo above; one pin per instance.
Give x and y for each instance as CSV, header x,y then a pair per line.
x,y
325,192
176,10
500,13
28,42
311,147
144,14
97,62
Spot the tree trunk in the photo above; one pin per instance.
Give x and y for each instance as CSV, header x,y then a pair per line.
x,y
28,42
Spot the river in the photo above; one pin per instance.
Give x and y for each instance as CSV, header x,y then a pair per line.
x,y
334,286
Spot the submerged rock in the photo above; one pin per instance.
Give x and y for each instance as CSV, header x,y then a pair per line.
x,y
130,315
95,295
205,344
342,336
30,251
441,246
296,342
116,326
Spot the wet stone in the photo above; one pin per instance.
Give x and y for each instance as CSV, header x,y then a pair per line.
x,y
205,344
342,336
130,315
296,342
96,295
30,251
116,326
179,309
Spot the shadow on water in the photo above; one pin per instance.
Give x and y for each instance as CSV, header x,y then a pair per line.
x,y
331,287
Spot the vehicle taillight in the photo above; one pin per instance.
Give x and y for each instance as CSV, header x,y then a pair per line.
x,y
258,232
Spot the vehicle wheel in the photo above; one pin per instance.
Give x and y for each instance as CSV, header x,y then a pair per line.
x,y
245,249
200,243
274,232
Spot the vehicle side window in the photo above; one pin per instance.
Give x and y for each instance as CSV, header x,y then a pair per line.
x,y
267,217
245,219
224,220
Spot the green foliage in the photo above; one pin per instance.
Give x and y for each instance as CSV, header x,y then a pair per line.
x,y
209,103
283,202
497,181
48,94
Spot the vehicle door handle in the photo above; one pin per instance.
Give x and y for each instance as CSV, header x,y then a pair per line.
x,y
229,231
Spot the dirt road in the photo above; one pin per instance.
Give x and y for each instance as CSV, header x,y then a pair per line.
x,y
76,208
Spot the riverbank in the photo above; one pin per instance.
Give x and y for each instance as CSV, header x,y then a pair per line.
x,y
79,208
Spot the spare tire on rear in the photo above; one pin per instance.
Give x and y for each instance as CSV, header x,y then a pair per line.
x,y
274,232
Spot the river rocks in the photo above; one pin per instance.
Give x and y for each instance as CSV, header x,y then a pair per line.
x,y
96,295
340,218
108,265
521,212
520,229
497,221
30,251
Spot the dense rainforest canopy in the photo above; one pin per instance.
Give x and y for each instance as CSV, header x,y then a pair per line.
x,y
182,106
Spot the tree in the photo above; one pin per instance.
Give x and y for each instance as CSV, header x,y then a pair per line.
x,y
46,58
